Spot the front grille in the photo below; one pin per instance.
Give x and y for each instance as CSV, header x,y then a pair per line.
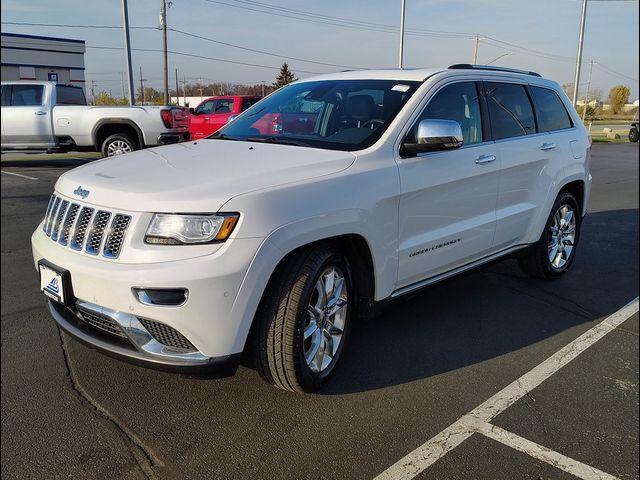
x,y
82,228
102,322
167,335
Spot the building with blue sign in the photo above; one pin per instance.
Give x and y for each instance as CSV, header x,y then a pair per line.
x,y
34,57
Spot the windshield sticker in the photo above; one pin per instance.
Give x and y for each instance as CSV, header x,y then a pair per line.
x,y
400,88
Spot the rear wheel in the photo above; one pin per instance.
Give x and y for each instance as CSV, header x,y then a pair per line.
x,y
633,134
305,319
553,254
117,144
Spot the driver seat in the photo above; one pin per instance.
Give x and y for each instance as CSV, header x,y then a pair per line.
x,y
360,109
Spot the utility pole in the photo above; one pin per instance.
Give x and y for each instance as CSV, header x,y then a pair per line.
x,y
576,81
127,49
475,50
402,8
163,26
586,98
177,89
262,82
142,80
122,83
93,92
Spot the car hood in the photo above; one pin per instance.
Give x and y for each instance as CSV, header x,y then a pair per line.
x,y
195,176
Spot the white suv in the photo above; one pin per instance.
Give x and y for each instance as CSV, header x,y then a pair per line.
x,y
336,192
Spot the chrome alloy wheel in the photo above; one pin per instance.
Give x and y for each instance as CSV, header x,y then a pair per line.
x,y
562,237
118,147
326,317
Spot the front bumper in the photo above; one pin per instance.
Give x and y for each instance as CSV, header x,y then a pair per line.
x,y
140,347
215,318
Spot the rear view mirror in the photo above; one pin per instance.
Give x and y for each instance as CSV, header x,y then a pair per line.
x,y
434,135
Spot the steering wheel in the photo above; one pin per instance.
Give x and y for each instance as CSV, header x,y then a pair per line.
x,y
370,123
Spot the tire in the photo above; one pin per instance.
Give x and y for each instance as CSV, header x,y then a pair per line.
x,y
117,144
633,135
281,351
538,261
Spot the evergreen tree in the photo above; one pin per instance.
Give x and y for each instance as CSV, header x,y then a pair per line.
x,y
285,76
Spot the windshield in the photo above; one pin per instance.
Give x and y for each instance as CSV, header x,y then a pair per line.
x,y
331,114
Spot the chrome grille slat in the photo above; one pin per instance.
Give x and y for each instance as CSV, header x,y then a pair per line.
x,y
68,223
52,215
117,231
94,239
46,215
80,230
84,228
58,220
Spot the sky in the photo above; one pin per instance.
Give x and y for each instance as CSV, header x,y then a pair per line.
x,y
537,35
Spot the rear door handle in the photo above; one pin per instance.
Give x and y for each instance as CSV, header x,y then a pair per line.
x,y
547,146
40,113
482,159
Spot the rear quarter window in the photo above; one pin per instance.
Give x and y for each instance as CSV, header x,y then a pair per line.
x,y
551,112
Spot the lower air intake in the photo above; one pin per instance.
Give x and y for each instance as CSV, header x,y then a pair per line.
x,y
167,335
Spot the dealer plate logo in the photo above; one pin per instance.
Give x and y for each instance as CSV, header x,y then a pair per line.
x,y
53,286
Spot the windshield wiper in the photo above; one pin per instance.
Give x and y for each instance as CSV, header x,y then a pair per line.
x,y
277,140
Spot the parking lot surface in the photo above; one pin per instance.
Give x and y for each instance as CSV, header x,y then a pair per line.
x,y
421,365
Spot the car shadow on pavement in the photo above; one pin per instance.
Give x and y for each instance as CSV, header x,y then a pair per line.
x,y
492,311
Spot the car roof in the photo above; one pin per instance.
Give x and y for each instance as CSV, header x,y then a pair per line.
x,y
421,74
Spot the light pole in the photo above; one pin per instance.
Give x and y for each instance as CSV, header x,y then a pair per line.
x,y
127,49
576,81
402,5
163,26
475,50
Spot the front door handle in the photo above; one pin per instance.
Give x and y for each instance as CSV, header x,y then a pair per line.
x,y
39,112
482,159
547,146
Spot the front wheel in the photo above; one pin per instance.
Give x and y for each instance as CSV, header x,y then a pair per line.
x,y
117,144
305,319
633,135
553,254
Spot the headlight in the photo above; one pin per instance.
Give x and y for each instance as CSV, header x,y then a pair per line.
x,y
172,229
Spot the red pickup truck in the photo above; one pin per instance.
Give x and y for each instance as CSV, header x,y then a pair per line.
x,y
211,114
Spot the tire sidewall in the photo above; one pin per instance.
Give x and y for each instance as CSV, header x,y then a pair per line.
x,y
564,199
114,138
633,135
309,378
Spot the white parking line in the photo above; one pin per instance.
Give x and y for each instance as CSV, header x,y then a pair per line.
x,y
562,462
19,175
428,453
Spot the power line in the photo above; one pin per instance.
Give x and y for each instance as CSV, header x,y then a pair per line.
x,y
261,51
63,25
184,54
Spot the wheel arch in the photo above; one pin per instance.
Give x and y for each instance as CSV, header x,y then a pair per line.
x,y
107,127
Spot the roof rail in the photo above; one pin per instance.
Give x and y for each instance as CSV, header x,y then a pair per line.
x,y
468,66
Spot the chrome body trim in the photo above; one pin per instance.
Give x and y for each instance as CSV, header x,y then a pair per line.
x,y
443,276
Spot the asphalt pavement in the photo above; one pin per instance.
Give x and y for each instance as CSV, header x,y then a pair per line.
x,y
408,374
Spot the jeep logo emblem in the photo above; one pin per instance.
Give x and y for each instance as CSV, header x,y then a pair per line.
x,y
81,192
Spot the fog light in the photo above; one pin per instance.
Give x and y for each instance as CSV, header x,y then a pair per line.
x,y
164,297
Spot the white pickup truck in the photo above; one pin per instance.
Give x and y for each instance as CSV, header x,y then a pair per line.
x,y
52,117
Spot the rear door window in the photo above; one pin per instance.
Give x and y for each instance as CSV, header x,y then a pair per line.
x,y
224,105
26,95
551,112
248,102
69,95
510,110
5,95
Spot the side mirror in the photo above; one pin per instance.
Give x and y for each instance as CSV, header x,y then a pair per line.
x,y
192,111
434,135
